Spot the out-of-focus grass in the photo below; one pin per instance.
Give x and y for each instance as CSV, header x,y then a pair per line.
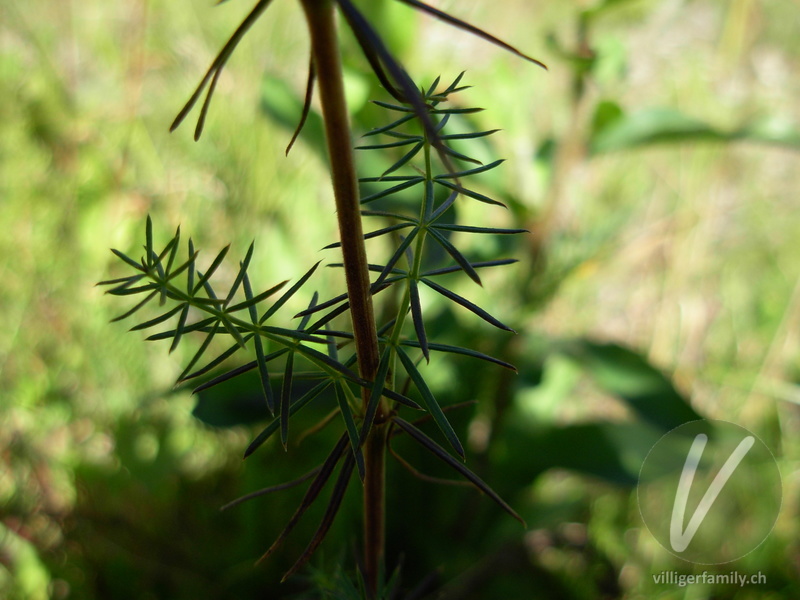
x,y
687,251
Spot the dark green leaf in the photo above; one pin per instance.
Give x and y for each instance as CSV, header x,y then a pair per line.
x,y
376,392
416,316
470,229
470,193
200,352
210,271
296,406
350,424
288,294
430,403
128,260
477,265
469,172
466,304
179,328
157,320
135,308
462,351
457,256
243,266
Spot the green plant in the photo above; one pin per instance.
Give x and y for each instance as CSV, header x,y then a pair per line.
x,y
371,365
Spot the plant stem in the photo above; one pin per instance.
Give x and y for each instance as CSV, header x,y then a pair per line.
x,y
325,51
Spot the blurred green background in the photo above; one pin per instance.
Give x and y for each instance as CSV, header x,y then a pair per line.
x,y
655,165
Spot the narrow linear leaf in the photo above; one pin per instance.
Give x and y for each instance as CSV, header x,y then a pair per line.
x,y
478,265
148,236
210,271
393,260
469,136
128,260
286,398
203,347
334,504
165,335
394,107
447,18
404,142
243,266
254,300
125,281
404,159
456,255
288,294
469,172
263,372
416,316
306,318
301,402
442,455
474,308
374,234
129,291
217,361
135,308
157,320
179,328
431,404
472,229
392,190
352,430
443,207
471,193
174,243
375,395
220,60
325,472
461,156
390,179
232,330
390,126
312,74
463,351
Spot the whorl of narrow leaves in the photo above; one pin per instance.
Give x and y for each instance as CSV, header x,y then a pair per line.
x,y
239,318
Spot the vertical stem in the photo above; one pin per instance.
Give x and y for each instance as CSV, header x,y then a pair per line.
x,y
325,51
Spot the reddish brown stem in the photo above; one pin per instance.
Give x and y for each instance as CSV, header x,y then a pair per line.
x,y
325,52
